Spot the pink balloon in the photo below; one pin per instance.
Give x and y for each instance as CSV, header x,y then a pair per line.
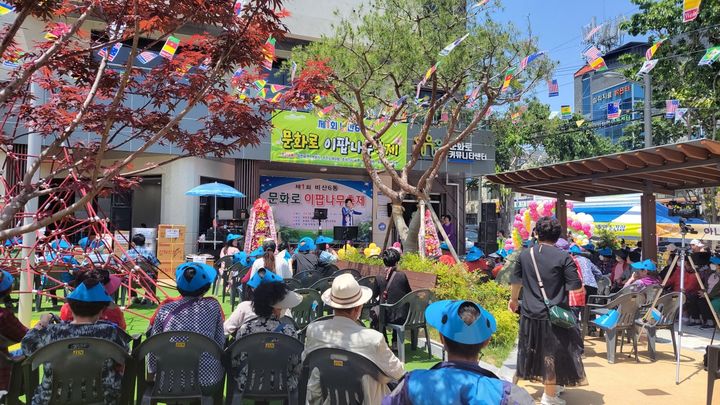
x,y
570,205
533,205
586,228
518,217
577,224
522,211
534,215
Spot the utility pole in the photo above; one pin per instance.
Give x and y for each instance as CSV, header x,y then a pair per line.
x,y
648,111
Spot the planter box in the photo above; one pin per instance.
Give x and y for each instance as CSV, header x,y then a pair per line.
x,y
417,280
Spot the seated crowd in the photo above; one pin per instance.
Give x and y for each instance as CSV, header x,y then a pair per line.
x,y
465,327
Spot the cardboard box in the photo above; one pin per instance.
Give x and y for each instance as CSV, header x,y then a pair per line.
x,y
171,233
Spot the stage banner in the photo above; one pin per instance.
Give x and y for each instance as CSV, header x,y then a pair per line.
x,y
294,201
624,230
308,139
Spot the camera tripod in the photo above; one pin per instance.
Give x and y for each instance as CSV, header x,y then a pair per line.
x,y
684,229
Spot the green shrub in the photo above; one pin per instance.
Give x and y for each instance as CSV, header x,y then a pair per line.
x,y
357,257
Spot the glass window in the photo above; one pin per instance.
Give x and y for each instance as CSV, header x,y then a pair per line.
x,y
586,94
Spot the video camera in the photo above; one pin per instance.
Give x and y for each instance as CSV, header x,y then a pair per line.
x,y
685,228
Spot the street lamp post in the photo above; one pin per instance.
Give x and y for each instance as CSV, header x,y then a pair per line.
x,y
647,114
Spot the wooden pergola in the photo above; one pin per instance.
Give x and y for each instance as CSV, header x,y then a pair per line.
x,y
657,170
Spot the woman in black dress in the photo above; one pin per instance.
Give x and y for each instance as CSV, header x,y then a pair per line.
x,y
547,353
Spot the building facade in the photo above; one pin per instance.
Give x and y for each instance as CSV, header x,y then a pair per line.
x,y
595,90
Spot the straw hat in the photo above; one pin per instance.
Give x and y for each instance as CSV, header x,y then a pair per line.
x,y
346,293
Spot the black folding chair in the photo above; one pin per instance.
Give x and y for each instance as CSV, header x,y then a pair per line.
x,y
271,361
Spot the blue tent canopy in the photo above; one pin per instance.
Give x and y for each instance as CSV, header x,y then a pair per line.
x,y
606,214
215,190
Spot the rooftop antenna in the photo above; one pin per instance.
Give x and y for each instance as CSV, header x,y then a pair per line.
x,y
606,36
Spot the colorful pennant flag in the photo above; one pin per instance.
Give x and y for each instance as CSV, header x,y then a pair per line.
x,y
13,60
473,98
113,52
237,8
325,111
6,8
269,51
671,107
651,51
446,51
579,123
262,93
598,64
691,9
170,47
647,66
553,88
591,53
58,30
508,78
526,60
205,65
565,112
554,114
592,32
276,97
277,87
711,55
680,115
260,84
613,110
146,57
293,70
479,4
399,102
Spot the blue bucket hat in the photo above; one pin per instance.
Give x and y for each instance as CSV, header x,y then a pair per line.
x,y
589,246
241,257
257,252
13,241
204,275
60,244
715,260
444,246
502,253
6,280
288,256
306,244
323,239
474,254
443,316
95,293
232,236
607,252
646,264
268,277
575,249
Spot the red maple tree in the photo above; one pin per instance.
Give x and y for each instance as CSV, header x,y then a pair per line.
x,y
85,110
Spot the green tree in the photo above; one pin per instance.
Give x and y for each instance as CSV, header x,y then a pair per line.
x,y
677,74
379,55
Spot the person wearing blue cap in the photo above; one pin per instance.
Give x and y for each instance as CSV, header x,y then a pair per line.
x,y
606,261
326,255
11,327
87,301
465,329
245,312
194,313
644,274
272,261
446,257
472,260
305,257
139,253
231,245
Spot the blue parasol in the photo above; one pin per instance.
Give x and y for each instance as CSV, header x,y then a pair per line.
x,y
215,190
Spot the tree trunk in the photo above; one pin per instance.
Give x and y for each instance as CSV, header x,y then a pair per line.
x,y
408,234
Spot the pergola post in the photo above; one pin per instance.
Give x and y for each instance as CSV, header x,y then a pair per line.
x,y
649,225
561,213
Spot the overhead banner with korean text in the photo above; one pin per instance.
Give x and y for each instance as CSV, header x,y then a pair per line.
x,y
294,201
305,138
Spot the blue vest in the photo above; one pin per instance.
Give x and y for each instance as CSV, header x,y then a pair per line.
x,y
456,383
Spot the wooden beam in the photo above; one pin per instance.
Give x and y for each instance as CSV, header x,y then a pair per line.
x,y
515,177
649,226
707,172
612,163
664,179
542,193
561,214
671,155
692,174
693,151
504,179
632,185
632,172
712,146
578,168
631,161
552,172
595,166
538,174
650,158
525,175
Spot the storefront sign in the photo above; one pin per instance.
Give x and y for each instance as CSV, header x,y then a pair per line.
x,y
461,152
294,201
612,93
306,138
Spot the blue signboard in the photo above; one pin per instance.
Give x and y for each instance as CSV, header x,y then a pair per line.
x,y
626,94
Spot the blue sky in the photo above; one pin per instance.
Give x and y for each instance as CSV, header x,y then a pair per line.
x,y
558,25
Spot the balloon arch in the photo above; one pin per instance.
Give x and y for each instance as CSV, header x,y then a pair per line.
x,y
580,225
